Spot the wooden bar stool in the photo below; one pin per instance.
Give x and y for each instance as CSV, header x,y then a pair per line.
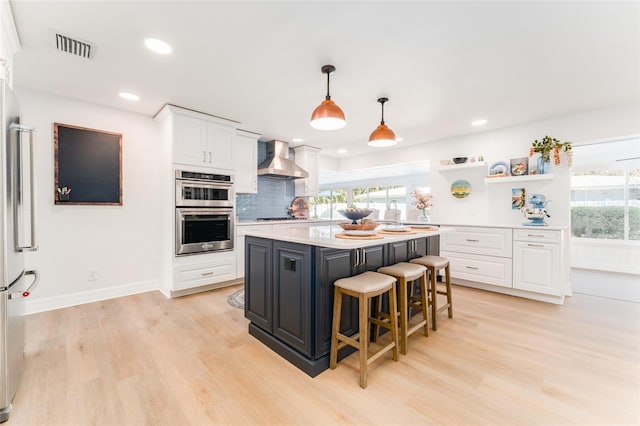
x,y
434,264
406,273
364,286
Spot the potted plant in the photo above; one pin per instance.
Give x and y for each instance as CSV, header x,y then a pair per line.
x,y
544,147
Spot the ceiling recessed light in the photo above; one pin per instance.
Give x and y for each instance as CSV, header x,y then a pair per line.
x,y
129,96
342,151
297,140
158,46
480,122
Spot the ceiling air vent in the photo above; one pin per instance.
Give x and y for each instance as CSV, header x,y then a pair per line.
x,y
74,46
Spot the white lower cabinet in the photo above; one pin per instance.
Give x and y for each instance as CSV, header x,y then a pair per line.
x,y
522,262
214,271
537,262
241,231
486,269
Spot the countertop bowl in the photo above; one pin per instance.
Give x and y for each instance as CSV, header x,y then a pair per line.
x,y
355,215
460,160
368,226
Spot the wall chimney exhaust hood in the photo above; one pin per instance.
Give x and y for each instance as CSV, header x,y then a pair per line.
x,y
278,164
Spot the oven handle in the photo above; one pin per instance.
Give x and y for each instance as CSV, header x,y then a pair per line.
x,y
206,210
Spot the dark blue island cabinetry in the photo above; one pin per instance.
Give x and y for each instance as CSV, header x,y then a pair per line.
x,y
289,292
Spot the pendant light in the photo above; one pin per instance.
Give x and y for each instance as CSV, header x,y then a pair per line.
x,y
382,136
328,115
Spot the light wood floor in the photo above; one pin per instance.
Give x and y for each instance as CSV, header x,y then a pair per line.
x,y
148,360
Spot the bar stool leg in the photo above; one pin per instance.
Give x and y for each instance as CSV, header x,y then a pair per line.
x,y
434,301
403,314
448,284
364,338
424,300
393,310
335,328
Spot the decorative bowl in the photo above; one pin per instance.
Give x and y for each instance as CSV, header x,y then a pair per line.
x,y
355,215
367,226
460,160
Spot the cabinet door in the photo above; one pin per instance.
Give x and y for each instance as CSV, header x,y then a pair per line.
x,y
398,252
189,140
536,267
291,295
307,157
258,284
245,157
331,265
374,258
420,248
219,146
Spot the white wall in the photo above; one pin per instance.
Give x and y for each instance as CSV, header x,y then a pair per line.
x,y
491,203
121,242
9,43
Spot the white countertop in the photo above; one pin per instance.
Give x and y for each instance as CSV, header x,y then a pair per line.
x,y
271,222
484,225
324,236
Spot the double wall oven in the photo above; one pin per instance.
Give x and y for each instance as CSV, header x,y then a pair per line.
x,y
204,212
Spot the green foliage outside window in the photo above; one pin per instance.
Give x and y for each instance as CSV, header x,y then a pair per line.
x,y
604,222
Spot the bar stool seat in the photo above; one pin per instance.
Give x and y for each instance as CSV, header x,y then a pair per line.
x,y
406,273
364,287
434,264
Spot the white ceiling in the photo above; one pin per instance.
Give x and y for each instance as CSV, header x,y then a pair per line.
x,y
442,64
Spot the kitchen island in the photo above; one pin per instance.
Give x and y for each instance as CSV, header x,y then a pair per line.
x,y
289,276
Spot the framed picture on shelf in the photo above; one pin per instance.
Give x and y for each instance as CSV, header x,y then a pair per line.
x,y
520,166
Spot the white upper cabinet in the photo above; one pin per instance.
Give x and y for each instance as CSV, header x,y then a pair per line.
x,y
202,140
245,157
308,158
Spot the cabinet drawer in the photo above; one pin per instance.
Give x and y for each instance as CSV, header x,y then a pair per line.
x,y
537,235
483,269
486,241
187,276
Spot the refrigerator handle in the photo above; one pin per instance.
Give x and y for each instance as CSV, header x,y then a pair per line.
x,y
32,188
27,292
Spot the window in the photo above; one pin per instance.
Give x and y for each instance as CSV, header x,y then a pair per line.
x,y
605,191
328,202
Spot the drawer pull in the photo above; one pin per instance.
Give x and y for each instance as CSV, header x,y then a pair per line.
x,y
472,267
534,235
204,274
535,245
473,241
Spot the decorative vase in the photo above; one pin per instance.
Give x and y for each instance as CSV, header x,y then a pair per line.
x,y
424,215
542,166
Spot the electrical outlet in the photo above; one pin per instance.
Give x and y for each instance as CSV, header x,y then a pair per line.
x,y
92,275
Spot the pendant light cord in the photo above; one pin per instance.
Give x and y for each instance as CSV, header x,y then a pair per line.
x,y
328,96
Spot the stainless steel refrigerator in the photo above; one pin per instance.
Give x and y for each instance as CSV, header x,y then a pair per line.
x,y
17,229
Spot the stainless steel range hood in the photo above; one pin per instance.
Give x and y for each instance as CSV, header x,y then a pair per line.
x,y
278,164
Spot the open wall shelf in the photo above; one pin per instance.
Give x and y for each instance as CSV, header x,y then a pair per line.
x,y
528,178
467,165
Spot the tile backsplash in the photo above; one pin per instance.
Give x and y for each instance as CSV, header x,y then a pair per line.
x,y
273,197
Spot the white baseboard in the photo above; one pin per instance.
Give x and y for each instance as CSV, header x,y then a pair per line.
x,y
82,297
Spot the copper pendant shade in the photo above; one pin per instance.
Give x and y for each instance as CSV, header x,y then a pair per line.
x,y
382,136
328,115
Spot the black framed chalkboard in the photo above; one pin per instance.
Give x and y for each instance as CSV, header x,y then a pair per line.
x,y
88,166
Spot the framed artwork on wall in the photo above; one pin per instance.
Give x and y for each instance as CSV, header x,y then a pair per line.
x,y
517,198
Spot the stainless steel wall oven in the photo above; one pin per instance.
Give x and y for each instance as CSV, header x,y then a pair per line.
x,y
204,212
